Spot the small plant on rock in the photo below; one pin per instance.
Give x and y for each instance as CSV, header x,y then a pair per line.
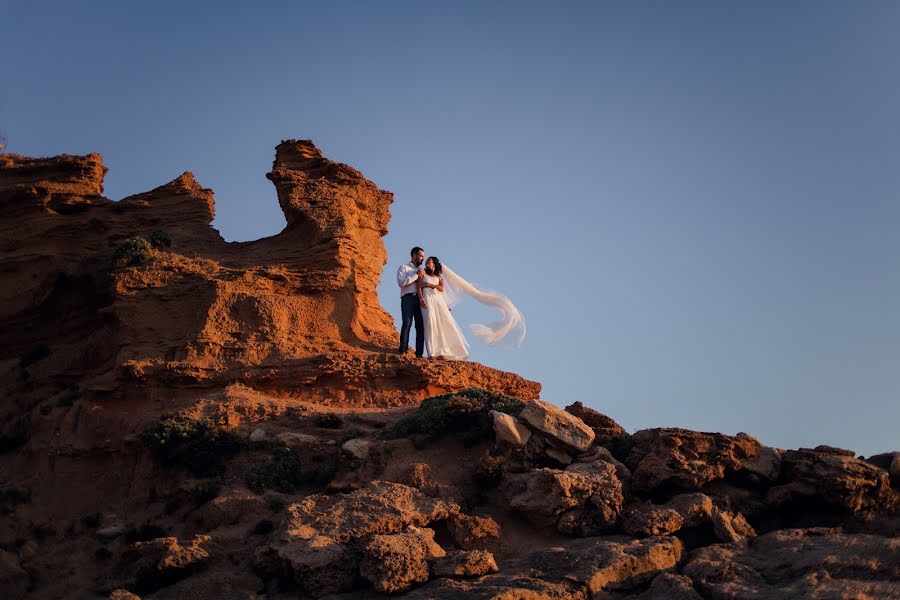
x,y
281,473
489,470
351,434
133,251
198,444
160,239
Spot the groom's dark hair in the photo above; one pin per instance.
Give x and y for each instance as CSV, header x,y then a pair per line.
x,y
415,251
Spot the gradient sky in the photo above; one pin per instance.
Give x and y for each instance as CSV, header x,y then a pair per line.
x,y
694,204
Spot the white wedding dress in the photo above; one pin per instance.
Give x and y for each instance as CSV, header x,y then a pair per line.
x,y
443,337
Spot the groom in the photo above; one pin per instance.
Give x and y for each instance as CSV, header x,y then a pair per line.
x,y
410,309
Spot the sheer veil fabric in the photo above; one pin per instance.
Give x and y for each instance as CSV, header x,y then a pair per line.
x,y
511,325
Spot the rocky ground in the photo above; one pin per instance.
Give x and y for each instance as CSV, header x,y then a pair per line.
x,y
189,418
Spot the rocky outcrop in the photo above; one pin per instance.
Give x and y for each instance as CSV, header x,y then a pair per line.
x,y
685,460
296,313
578,571
151,565
834,477
392,563
584,499
605,429
799,563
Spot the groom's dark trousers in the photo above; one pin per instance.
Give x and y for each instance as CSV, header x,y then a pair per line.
x,y
411,310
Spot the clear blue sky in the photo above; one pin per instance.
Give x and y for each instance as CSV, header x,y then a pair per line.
x,y
696,205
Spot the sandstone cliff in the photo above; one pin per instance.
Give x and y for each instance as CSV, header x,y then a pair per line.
x,y
185,417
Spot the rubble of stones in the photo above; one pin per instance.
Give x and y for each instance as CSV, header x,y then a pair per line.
x,y
669,517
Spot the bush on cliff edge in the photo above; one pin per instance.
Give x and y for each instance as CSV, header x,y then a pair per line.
x,y
463,413
200,445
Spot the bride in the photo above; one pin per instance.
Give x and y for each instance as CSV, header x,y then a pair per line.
x,y
439,288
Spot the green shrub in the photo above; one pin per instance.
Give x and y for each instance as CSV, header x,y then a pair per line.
x,y
160,239
324,472
131,252
351,434
276,504
463,413
280,473
489,470
200,445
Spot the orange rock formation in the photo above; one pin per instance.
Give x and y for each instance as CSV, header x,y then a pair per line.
x,y
185,417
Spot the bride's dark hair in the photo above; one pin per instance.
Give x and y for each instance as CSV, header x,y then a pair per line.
x,y
438,269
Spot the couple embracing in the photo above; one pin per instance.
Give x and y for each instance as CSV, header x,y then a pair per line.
x,y
427,293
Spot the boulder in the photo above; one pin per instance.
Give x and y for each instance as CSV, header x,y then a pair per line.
x,y
591,494
229,509
392,563
379,508
290,438
596,453
694,508
669,586
683,510
258,435
835,477
558,425
605,428
473,532
765,467
157,563
730,527
320,566
420,476
683,459
580,569
357,448
465,563
795,564
508,429
644,520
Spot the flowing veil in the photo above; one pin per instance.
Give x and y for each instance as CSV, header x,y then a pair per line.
x,y
511,320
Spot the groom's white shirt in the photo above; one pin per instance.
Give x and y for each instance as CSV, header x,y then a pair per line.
x,y
406,278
